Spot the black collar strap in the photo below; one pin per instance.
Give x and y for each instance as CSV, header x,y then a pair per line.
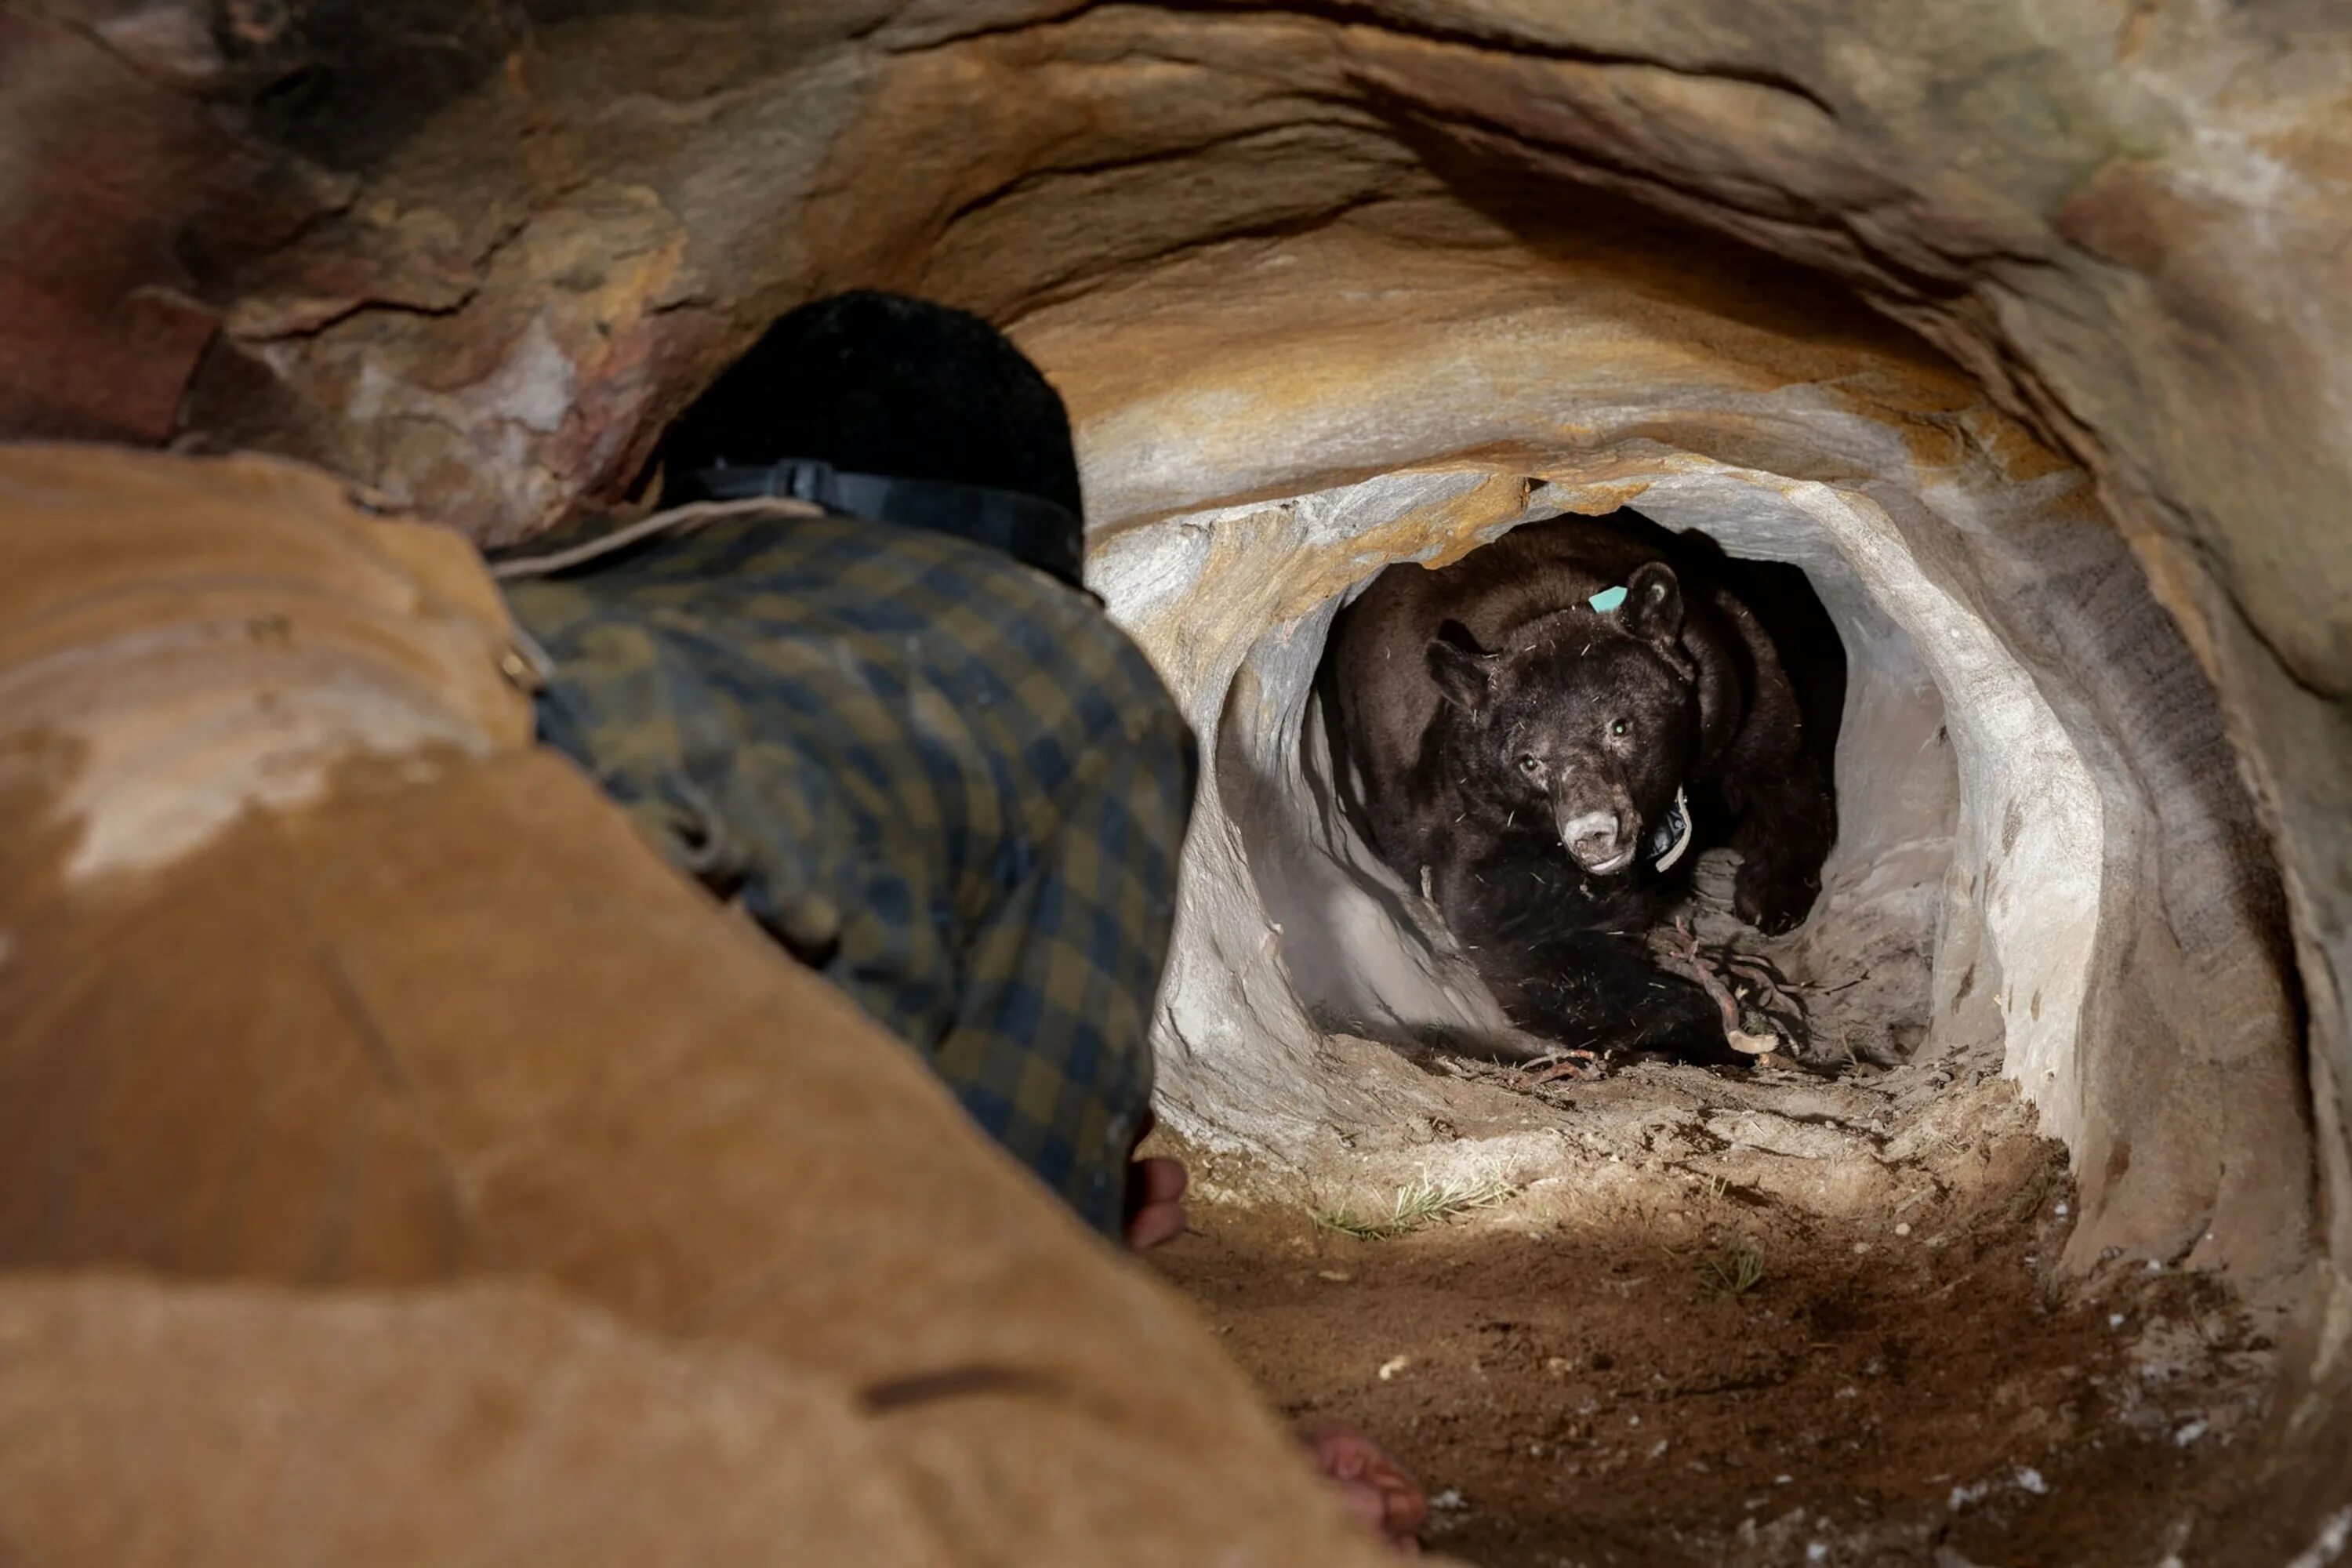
x,y
1028,528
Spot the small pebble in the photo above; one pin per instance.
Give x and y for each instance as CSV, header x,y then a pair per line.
x,y
1782,1480
2030,1479
2156,1265
1393,1365
1815,1551
1337,1276
2189,1434
1450,1501
1861,1246
2115,1319
1901,1228
2061,1211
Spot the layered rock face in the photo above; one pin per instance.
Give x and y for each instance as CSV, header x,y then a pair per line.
x,y
2023,327
2033,768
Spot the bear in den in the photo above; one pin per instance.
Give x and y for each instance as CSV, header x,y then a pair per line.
x,y
1536,735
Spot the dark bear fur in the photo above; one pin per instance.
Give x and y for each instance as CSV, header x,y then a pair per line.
x,y
1516,753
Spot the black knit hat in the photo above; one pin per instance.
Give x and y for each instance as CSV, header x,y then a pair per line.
x,y
881,383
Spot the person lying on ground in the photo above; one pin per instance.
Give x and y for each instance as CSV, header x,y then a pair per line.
x,y
856,684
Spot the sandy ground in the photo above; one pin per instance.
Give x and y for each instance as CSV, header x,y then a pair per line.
x,y
1791,1319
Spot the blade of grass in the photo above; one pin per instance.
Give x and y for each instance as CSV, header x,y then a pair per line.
x,y
1732,1274
1417,1204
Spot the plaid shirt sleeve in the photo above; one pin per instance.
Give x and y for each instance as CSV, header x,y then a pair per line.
x,y
1051,1046
927,775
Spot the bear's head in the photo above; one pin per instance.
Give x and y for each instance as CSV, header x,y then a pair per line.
x,y
1592,723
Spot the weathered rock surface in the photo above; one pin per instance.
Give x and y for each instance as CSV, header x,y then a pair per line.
x,y
471,255
481,1426
2037,790
417,1008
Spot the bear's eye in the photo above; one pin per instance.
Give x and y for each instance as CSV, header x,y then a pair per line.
x,y
1618,728
1531,764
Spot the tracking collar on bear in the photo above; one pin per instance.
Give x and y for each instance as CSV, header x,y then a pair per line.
x,y
1026,527
1673,834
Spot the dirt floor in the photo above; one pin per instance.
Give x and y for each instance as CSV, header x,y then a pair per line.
x,y
1700,1319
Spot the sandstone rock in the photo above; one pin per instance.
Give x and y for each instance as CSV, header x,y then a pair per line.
x,y
289,1001
143,1423
2036,789
553,231
472,257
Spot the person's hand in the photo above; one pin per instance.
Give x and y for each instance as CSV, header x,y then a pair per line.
x,y
1371,1485
1155,1202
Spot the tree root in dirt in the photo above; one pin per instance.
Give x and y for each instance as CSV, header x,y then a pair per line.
x,y
1588,1067
1762,1012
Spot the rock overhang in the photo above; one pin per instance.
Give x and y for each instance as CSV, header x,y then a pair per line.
x,y
477,278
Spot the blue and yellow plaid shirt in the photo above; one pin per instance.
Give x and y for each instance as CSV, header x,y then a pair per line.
x,y
941,777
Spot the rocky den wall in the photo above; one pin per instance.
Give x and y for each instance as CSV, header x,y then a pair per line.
x,y
2022,325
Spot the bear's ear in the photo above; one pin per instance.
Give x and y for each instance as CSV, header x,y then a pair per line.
x,y
1459,666
1654,604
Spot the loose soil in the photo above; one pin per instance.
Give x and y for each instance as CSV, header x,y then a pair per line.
x,y
1580,1374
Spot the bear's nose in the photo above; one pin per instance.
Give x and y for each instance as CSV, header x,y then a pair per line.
x,y
1592,837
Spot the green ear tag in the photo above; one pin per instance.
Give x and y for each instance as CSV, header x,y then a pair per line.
x,y
1607,599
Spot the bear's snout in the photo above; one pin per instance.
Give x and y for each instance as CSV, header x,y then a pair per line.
x,y
1598,841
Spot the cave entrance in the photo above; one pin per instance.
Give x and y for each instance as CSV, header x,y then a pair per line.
x,y
1265,424
1960,914
1370,959
1860,1313
1959,1309
1330,288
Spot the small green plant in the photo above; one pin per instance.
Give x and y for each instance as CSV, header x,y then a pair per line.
x,y
1737,1272
2053,1290
1422,1203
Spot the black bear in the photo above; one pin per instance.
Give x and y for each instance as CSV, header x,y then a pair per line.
x,y
1537,733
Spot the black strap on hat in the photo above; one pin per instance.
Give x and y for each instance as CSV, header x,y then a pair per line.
x,y
1028,528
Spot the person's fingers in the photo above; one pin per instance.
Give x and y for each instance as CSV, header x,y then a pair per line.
x,y
1338,1452
1155,1190
1153,1224
1365,1502
1408,1508
1164,1181
1344,1453
1405,1509
1375,1488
